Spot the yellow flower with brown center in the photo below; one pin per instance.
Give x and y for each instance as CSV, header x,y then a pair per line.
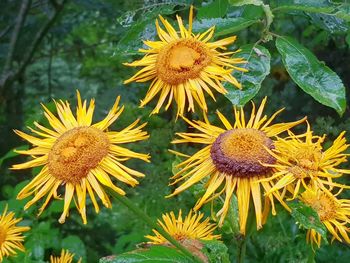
x,y
80,156
11,236
301,161
232,162
183,66
66,257
334,214
190,228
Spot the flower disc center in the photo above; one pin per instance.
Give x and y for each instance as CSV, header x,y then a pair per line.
x,y
308,158
2,235
182,57
76,152
240,152
182,60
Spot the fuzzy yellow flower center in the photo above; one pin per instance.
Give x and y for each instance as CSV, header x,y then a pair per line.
x,y
76,152
323,204
2,235
182,57
182,60
241,152
305,162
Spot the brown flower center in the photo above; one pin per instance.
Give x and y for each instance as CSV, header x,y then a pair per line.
x,y
182,60
323,204
240,152
76,152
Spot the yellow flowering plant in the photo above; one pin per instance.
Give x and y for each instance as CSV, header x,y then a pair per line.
x,y
199,147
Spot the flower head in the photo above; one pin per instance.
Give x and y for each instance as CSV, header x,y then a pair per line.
x,y
66,257
80,156
302,162
334,214
190,228
183,66
11,236
232,161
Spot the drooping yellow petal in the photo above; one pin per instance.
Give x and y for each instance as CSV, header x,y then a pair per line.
x,y
238,159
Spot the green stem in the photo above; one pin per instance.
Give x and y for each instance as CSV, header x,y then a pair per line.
x,y
137,211
242,246
268,15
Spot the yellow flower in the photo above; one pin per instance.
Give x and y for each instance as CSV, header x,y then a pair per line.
x,y
183,66
11,237
232,162
334,214
80,156
66,257
302,161
191,228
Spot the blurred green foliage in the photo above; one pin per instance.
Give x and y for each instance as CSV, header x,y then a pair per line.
x,y
84,48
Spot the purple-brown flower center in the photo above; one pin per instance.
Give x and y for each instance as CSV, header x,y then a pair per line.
x,y
241,152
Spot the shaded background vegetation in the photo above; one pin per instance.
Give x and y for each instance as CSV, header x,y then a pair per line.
x,y
50,48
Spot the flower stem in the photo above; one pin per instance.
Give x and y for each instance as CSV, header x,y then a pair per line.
x,y
137,211
242,245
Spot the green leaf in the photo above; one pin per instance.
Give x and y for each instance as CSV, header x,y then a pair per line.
x,y
75,245
231,222
258,63
131,42
246,2
341,11
155,254
307,218
41,237
347,39
329,23
223,26
174,164
217,8
312,75
143,28
216,251
12,153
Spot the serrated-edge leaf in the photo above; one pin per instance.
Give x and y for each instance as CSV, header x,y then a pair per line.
x,y
294,55
258,63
